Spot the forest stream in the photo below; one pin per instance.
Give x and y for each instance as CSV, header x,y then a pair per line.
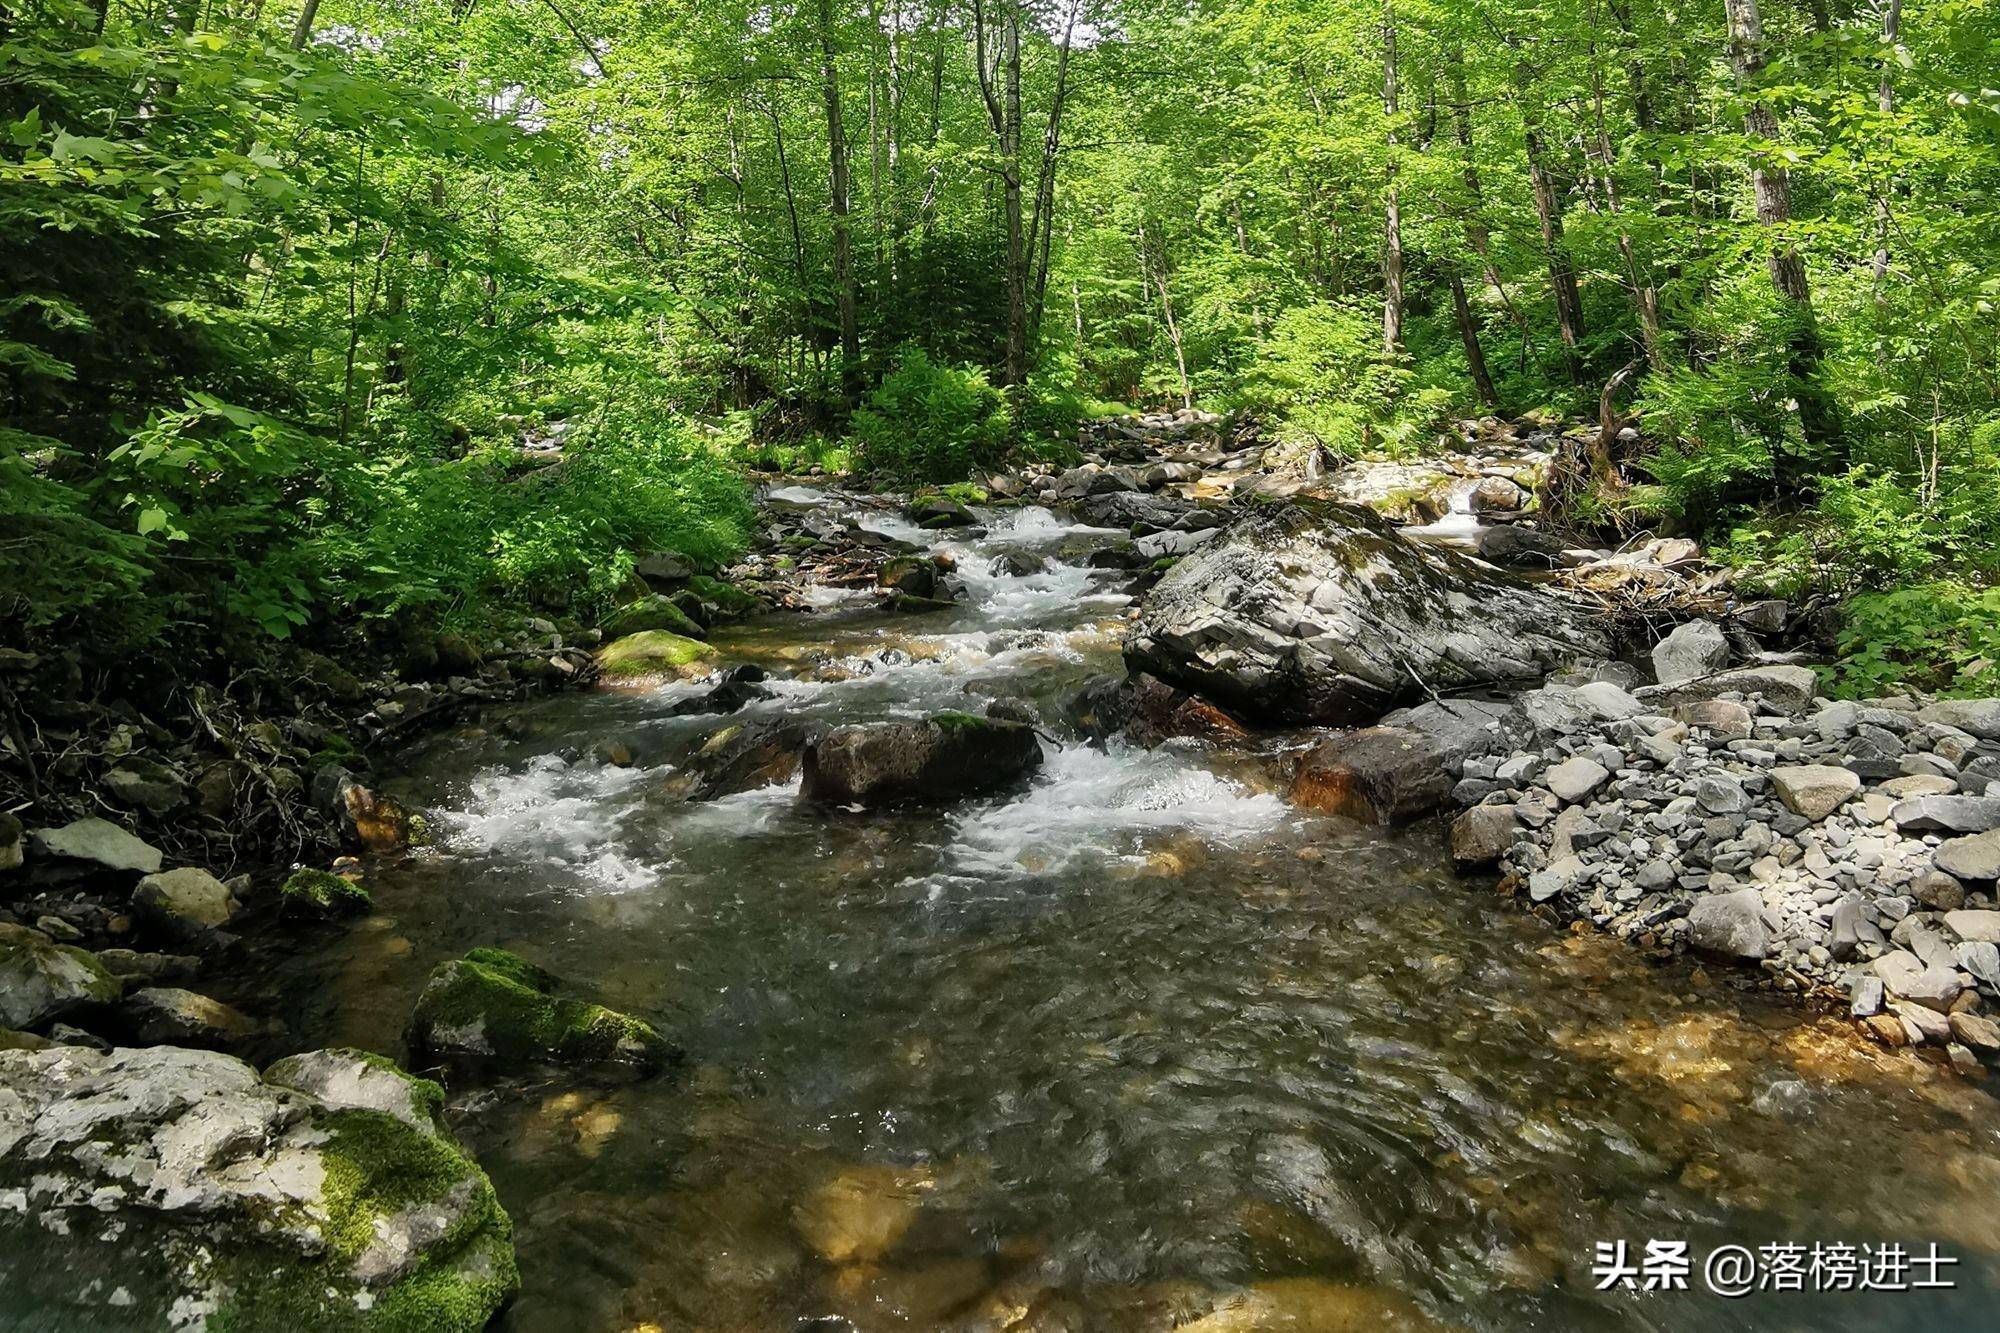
x,y
1089,1052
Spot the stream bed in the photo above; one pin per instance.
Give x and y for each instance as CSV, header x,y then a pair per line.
x,y
1136,1046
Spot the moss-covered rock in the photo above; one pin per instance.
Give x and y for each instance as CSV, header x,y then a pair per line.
x,y
492,1006
316,895
654,653
932,509
911,574
41,980
655,611
325,1195
726,598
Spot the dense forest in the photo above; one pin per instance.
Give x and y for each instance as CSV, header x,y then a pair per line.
x,y
285,291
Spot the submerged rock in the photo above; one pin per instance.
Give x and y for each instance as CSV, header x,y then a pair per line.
x,y
246,1202
496,1006
1379,775
857,1213
1311,1305
747,756
1322,613
41,980
944,756
167,1015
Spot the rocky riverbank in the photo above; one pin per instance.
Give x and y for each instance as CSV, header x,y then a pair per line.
x,y
1845,850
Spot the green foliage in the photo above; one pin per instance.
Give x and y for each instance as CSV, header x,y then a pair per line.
x,y
1942,637
226,410
930,422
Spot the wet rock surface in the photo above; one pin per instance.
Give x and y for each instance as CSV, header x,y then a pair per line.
x,y
943,757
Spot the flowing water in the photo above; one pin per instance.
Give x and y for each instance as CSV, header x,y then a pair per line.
x,y
1087,1054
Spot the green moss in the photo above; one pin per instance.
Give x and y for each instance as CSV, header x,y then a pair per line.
x,y
652,612
461,1297
321,893
518,1012
953,720
651,653
377,1165
964,492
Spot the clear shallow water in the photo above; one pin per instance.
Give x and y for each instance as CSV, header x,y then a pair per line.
x,y
1094,1053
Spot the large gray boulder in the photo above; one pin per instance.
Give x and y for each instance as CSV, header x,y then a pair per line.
x,y
1696,648
1465,729
1321,612
236,1199
1730,926
944,756
1979,717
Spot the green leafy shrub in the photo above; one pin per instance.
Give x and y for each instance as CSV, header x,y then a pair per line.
x,y
1942,637
1324,373
930,422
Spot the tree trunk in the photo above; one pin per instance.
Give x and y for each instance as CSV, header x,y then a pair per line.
x,y
1468,334
1017,255
1885,100
1000,88
1041,229
843,241
302,30
1477,234
1159,278
1548,212
1772,188
1392,211
1645,296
